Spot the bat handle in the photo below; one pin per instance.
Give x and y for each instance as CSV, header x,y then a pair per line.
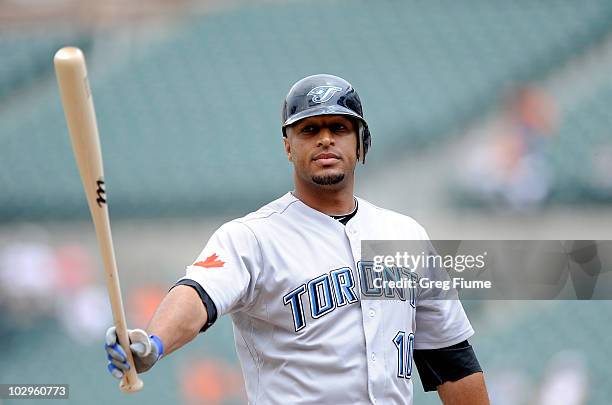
x,y
130,382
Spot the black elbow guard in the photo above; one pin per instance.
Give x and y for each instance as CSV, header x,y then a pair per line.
x,y
210,306
437,366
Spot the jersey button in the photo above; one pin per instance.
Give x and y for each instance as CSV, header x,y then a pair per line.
x,y
373,356
372,313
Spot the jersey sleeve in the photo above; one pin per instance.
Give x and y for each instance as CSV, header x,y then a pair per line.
x,y
228,267
440,318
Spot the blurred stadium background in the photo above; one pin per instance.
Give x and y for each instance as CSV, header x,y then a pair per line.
x,y
490,119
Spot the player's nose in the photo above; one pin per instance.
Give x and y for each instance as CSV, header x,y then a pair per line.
x,y
326,137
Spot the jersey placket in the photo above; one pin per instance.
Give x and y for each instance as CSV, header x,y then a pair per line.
x,y
370,310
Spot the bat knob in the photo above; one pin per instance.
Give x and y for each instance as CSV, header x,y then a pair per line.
x,y
132,386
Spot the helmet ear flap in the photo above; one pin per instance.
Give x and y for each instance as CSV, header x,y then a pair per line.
x,y
363,141
360,153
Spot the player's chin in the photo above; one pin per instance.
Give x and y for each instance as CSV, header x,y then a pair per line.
x,y
328,177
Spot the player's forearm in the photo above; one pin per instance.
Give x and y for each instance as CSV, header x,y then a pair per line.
x,y
470,390
179,318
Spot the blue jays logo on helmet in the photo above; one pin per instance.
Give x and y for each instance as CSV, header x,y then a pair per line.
x,y
321,94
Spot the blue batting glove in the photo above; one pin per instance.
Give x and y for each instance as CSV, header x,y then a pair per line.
x,y
146,350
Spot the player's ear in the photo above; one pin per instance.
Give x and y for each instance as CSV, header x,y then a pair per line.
x,y
287,147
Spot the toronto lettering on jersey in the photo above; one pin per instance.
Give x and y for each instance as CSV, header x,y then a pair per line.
x,y
321,298
337,288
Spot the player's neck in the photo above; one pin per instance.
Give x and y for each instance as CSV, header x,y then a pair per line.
x,y
327,201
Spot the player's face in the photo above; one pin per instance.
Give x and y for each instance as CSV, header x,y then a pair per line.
x,y
323,149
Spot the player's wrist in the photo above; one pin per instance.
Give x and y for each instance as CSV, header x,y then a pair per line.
x,y
159,344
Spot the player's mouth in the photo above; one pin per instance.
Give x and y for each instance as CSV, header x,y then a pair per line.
x,y
326,158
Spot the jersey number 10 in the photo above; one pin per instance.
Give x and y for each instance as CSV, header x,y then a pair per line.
x,y
404,347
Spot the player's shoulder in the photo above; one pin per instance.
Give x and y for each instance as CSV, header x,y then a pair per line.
x,y
276,207
374,209
248,222
392,217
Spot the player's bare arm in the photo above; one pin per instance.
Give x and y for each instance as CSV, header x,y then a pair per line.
x,y
176,322
470,390
178,318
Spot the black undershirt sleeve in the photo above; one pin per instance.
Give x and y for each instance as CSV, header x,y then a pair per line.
x,y
437,366
210,306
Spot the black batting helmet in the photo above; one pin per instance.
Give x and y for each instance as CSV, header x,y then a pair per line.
x,y
325,95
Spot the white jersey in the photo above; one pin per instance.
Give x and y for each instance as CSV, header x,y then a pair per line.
x,y
289,276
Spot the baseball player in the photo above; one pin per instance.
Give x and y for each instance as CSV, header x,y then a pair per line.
x,y
289,276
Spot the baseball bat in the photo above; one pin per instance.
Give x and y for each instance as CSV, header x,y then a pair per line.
x,y
71,73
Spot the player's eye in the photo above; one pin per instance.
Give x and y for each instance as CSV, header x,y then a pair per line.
x,y
337,127
309,129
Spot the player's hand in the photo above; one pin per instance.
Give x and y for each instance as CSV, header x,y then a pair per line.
x,y
146,350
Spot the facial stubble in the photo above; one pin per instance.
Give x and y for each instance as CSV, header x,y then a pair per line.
x,y
328,180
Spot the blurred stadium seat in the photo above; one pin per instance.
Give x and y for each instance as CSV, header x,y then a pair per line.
x,y
582,155
192,126
25,59
528,344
